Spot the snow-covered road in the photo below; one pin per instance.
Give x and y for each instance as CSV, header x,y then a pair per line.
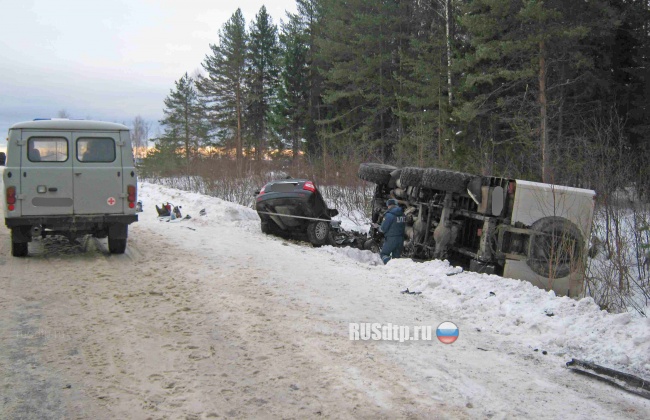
x,y
209,318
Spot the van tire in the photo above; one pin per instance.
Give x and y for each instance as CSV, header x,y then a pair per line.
x,y
19,249
19,241
117,235
318,233
116,246
375,172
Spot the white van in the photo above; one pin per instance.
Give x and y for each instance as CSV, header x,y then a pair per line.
x,y
71,178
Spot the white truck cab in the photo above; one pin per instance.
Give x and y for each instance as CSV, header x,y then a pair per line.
x,y
71,178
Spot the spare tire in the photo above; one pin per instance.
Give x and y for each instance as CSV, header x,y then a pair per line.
x,y
411,177
375,172
557,247
445,180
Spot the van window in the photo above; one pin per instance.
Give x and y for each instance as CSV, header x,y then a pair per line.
x,y
96,150
47,149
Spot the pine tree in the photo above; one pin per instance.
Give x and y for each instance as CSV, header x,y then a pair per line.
x,y
423,86
524,65
223,89
292,110
310,15
262,79
361,46
184,128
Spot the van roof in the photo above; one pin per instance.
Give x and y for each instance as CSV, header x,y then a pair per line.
x,y
65,124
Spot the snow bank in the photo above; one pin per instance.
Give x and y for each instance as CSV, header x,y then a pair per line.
x,y
517,311
192,203
536,318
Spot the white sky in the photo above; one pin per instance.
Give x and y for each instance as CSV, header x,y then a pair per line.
x,y
107,60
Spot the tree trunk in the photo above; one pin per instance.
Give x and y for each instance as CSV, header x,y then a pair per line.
x,y
240,145
448,17
543,129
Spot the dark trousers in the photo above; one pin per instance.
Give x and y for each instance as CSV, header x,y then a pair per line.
x,y
392,248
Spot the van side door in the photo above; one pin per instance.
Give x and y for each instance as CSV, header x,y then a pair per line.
x,y
97,168
46,173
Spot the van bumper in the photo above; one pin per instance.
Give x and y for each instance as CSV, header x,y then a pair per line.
x,y
77,222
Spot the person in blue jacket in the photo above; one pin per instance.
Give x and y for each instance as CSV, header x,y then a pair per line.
x,y
393,229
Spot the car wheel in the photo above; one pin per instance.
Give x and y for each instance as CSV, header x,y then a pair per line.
x,y
375,172
556,249
268,228
372,245
445,180
318,233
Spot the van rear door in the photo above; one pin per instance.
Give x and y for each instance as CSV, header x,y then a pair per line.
x,y
46,175
98,173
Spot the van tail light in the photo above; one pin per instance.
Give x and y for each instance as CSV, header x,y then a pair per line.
x,y
131,191
11,198
309,186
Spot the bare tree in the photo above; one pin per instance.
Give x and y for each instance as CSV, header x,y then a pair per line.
x,y
140,136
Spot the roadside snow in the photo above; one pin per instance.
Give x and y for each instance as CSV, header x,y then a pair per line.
x,y
524,316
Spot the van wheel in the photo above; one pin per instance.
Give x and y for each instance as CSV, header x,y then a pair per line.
x,y
117,246
18,248
117,235
318,233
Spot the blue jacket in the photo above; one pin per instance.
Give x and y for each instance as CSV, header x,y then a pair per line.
x,y
394,223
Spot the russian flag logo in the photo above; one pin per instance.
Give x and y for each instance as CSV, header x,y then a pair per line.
x,y
447,332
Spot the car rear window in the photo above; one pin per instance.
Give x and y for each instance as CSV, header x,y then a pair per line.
x,y
47,149
282,187
96,149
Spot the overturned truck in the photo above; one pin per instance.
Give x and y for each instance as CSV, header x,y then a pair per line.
x,y
514,228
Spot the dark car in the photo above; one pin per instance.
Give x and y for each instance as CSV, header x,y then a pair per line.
x,y
295,207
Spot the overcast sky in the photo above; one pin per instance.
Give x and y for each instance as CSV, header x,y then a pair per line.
x,y
107,60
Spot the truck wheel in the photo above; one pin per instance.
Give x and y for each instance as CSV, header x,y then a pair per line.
x,y
318,233
117,235
445,180
411,177
556,249
375,172
18,248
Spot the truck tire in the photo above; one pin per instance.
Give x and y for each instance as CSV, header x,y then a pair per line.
x,y
117,235
557,249
411,177
19,248
318,233
375,172
445,180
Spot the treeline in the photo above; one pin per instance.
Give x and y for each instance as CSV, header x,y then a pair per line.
x,y
551,90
